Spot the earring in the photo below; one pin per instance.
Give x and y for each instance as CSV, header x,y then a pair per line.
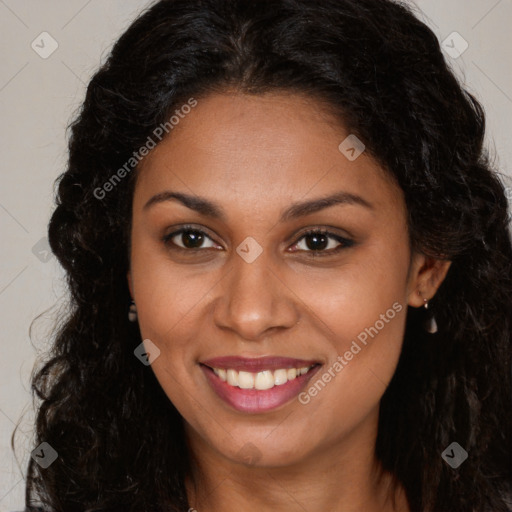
x,y
430,324
132,312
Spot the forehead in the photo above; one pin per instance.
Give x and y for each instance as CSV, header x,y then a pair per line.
x,y
258,151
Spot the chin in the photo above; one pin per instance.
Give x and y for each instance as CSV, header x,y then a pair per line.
x,y
267,450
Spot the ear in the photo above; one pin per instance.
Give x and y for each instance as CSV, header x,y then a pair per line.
x,y
425,277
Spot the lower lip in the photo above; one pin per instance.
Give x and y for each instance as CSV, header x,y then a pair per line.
x,y
254,400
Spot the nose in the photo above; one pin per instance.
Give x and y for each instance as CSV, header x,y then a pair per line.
x,y
254,300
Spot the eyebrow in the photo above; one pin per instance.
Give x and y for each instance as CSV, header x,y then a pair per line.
x,y
299,209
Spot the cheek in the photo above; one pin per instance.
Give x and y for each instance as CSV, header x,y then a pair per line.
x,y
358,296
166,293
169,316
361,310
168,298
365,318
168,305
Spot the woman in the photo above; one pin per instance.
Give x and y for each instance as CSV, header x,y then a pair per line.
x,y
289,268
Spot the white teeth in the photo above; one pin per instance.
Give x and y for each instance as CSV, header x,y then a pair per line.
x,y
232,376
265,379
245,380
280,377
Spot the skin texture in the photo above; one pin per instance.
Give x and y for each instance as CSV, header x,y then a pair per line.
x,y
254,156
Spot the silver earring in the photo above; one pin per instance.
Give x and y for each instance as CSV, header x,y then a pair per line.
x,y
430,324
132,312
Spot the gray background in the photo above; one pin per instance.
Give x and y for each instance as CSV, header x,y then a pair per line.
x,y
38,97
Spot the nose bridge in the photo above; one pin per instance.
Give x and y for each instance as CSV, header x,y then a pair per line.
x,y
253,299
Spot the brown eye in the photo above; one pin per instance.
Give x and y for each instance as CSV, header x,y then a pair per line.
x,y
188,238
320,241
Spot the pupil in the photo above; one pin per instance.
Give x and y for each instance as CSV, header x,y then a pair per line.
x,y
319,242
192,237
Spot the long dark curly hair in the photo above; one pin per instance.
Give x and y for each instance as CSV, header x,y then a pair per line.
x,y
120,441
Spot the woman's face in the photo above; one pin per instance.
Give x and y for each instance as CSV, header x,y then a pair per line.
x,y
247,285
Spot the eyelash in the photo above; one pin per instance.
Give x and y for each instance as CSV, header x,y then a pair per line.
x,y
344,242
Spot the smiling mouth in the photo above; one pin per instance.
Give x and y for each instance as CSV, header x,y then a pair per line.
x,y
258,385
262,380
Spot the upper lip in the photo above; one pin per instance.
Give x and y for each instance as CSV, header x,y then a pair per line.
x,y
257,364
